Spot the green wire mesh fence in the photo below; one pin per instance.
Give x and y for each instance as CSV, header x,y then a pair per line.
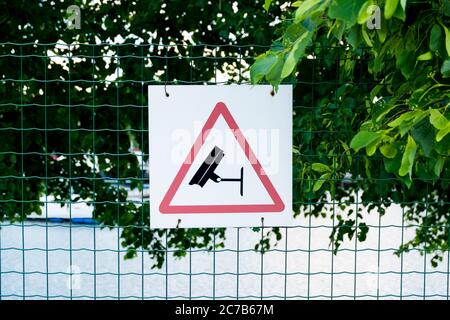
x,y
74,187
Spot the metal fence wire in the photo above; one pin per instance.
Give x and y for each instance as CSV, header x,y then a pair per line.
x,y
74,188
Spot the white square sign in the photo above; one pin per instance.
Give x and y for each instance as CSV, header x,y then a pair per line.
x,y
220,156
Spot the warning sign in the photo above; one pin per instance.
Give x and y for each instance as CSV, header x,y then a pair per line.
x,y
220,156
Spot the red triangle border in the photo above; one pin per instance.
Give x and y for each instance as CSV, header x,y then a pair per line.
x,y
166,208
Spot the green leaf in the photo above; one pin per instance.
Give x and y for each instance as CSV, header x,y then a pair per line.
x,y
297,51
274,74
267,65
320,167
346,10
373,146
447,8
354,36
407,116
363,139
443,147
367,167
442,133
389,8
400,12
429,169
438,166
347,151
366,36
425,56
424,133
392,165
447,39
318,184
338,29
364,14
445,69
408,158
435,38
407,180
267,4
438,120
261,67
382,32
388,150
408,125
293,32
308,8
406,62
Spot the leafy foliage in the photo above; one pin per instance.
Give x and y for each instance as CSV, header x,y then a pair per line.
x,y
386,120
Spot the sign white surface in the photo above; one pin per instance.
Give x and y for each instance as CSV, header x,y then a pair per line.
x,y
220,156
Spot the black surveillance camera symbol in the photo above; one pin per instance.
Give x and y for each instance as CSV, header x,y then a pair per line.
x,y
207,168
